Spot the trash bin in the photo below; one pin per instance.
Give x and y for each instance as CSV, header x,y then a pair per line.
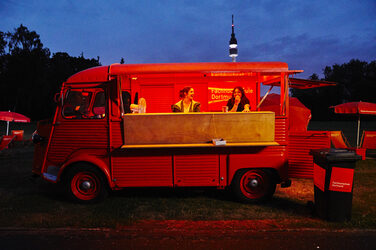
x,y
333,176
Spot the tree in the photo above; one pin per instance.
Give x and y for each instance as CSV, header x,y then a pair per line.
x,y
3,43
314,76
24,71
29,77
356,81
23,39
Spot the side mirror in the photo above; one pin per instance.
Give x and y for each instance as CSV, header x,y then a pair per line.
x,y
57,98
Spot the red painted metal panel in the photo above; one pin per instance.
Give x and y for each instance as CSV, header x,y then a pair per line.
x,y
96,74
300,145
142,171
281,130
223,171
274,157
196,170
159,98
71,135
117,137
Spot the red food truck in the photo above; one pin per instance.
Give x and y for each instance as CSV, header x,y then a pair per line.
x,y
95,143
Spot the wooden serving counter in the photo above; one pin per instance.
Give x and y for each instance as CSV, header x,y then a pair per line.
x,y
198,129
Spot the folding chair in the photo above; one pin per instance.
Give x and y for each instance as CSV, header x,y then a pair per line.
x,y
19,134
338,140
368,140
5,141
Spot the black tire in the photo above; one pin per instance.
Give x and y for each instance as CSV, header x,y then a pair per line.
x,y
85,184
253,185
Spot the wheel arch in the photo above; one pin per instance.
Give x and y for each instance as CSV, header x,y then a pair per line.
x,y
273,172
85,183
265,180
95,162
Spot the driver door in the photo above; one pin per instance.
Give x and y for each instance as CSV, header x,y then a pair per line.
x,y
82,123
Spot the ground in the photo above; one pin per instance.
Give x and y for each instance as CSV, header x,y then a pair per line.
x,y
35,215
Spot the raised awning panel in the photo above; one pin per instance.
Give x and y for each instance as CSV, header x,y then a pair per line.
x,y
300,83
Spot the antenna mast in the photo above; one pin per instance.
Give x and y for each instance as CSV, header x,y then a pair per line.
x,y
233,43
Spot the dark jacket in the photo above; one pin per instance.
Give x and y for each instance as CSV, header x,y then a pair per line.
x,y
178,107
241,105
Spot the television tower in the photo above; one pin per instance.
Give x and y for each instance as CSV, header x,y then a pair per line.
x,y
233,43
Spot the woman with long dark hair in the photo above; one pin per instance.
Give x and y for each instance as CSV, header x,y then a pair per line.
x,y
238,102
186,104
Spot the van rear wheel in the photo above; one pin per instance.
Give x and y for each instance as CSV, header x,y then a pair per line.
x,y
85,184
253,185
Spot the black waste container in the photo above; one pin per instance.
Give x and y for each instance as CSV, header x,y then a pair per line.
x,y
333,176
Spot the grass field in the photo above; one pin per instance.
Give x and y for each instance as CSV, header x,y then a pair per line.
x,y
25,203
35,204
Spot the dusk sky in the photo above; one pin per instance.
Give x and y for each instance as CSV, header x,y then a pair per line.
x,y
308,35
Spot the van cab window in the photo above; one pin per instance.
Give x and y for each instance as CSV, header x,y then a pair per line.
x,y
126,97
99,106
76,105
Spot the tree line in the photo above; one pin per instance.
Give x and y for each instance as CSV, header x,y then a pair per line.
x,y
356,81
30,76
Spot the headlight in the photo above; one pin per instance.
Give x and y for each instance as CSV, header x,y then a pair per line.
x,y
36,138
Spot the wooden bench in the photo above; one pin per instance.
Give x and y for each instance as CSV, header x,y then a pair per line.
x,y
198,129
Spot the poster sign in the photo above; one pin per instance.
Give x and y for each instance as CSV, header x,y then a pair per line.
x,y
341,179
218,97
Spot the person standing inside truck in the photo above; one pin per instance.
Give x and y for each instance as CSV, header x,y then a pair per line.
x,y
238,102
186,104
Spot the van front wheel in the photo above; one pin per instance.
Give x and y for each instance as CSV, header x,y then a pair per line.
x,y
85,184
253,185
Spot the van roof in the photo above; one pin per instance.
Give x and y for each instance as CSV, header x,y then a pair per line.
x,y
103,73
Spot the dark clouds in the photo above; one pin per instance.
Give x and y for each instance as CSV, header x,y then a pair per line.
x,y
312,53
308,35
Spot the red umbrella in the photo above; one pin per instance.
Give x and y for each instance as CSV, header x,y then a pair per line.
x,y
365,108
12,117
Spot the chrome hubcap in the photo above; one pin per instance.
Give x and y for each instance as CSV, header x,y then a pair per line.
x,y
253,183
86,185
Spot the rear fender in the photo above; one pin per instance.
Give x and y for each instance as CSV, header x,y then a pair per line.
x,y
276,163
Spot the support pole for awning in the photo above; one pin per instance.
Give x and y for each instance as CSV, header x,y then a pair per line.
x,y
7,127
267,93
357,135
